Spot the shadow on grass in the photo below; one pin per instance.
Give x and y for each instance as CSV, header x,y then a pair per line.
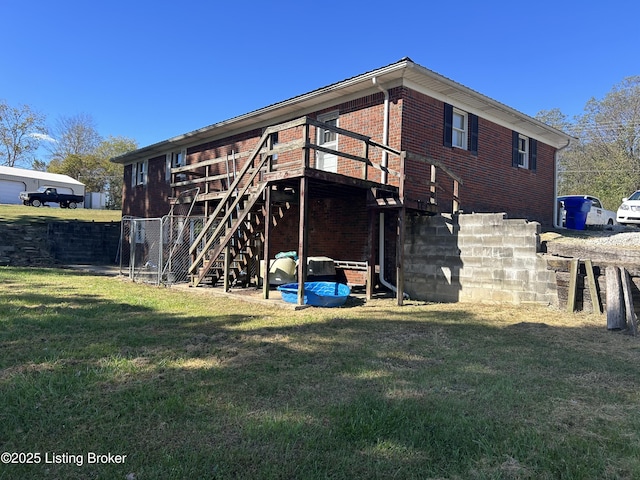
x,y
368,393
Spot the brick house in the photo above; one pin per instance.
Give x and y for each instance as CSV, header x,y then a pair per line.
x,y
335,172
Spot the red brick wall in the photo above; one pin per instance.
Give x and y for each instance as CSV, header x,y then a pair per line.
x,y
222,148
151,199
365,116
491,183
337,229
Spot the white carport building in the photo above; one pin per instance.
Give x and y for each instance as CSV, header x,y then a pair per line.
x,y
16,180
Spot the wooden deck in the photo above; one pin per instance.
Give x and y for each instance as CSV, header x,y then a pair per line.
x,y
236,202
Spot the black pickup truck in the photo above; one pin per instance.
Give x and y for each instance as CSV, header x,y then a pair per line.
x,y
50,194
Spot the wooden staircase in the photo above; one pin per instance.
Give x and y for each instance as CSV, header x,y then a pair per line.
x,y
231,236
231,242
229,239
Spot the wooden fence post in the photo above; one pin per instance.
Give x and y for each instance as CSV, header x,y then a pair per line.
x,y
615,316
573,284
593,290
632,321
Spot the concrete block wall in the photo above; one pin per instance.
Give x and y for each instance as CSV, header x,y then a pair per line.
x,y
73,242
48,244
25,245
476,258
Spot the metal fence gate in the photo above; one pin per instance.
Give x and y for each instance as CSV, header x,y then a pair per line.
x,y
156,250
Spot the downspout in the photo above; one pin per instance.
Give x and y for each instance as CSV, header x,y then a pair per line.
x,y
385,130
385,162
556,223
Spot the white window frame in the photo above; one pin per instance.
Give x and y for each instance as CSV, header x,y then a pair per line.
x,y
459,136
274,142
328,161
175,160
523,151
179,159
326,118
142,172
139,173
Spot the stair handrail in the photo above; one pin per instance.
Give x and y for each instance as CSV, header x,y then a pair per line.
x,y
233,192
232,230
231,189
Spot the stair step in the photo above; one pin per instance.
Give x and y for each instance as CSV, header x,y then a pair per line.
x,y
237,232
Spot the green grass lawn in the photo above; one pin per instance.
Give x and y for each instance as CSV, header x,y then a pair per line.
x,y
24,214
192,386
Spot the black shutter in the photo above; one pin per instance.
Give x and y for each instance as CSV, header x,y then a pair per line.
x,y
473,133
515,157
448,124
533,154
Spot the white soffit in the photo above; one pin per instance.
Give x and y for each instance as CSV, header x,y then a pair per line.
x,y
446,90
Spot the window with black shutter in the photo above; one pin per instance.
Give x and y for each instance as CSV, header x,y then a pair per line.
x,y
448,124
460,129
524,151
533,154
473,134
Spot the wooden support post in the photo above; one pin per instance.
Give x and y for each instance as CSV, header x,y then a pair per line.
x,y
400,256
365,165
305,132
593,290
615,317
401,233
371,263
270,144
632,320
207,184
267,242
573,285
302,238
227,258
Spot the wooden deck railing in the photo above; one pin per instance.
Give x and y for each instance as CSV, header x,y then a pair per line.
x,y
216,178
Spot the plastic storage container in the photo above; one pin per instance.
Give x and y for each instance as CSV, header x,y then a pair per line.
x,y
577,209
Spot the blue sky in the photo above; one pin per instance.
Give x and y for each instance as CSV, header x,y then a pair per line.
x,y
151,70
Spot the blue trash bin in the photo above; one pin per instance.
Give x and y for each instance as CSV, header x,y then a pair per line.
x,y
577,209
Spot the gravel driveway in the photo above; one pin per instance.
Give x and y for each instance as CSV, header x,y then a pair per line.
x,y
616,237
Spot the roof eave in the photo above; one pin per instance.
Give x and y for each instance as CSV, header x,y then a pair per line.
x,y
405,72
478,103
296,104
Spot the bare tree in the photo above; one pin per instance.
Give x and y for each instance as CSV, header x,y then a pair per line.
x,y
75,135
554,118
21,132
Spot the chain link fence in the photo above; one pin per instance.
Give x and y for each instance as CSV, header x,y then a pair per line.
x,y
156,250
178,233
